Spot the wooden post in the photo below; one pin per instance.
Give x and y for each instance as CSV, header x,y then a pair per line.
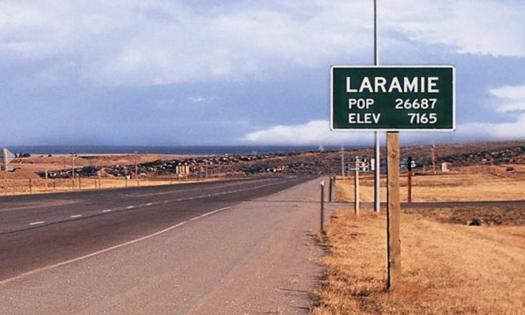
x,y
47,178
393,210
409,178
72,172
330,190
335,188
30,185
5,162
356,187
434,159
321,226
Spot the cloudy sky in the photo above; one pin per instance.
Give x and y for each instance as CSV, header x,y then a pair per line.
x,y
143,72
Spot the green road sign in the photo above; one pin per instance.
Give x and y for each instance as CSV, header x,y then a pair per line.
x,y
392,98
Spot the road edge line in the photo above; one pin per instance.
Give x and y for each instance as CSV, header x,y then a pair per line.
x,y
105,250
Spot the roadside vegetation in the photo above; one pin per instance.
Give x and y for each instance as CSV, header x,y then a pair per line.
x,y
446,268
473,183
455,260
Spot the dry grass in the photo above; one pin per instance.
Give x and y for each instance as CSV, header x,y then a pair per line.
x,y
468,184
446,268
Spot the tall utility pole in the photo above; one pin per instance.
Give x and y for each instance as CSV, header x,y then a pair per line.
x,y
342,161
377,155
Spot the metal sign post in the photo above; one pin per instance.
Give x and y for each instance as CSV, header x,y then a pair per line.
x,y
321,223
377,151
356,186
409,179
393,99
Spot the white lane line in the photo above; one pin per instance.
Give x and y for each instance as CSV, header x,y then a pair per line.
x,y
106,210
67,262
37,222
149,204
76,216
130,207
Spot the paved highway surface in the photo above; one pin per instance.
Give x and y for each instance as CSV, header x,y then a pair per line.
x,y
241,247
40,230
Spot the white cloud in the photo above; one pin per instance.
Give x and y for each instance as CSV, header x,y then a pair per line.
x,y
317,132
512,98
158,42
475,27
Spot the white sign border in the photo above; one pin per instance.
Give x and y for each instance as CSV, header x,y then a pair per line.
x,y
332,67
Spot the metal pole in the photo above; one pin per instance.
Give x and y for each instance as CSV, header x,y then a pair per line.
x,y
356,186
377,152
409,178
322,209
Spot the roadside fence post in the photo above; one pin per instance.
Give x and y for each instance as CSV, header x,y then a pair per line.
x,y
356,187
322,209
30,185
330,189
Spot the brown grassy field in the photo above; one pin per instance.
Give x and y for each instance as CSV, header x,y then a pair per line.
x,y
27,167
475,183
446,268
24,179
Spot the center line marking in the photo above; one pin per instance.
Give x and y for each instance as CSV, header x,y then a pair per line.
x,y
76,216
26,274
107,210
37,222
149,204
131,207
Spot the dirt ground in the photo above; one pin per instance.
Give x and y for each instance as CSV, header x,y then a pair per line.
x,y
446,268
474,183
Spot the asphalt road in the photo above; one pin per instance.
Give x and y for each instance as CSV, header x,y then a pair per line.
x,y
41,230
